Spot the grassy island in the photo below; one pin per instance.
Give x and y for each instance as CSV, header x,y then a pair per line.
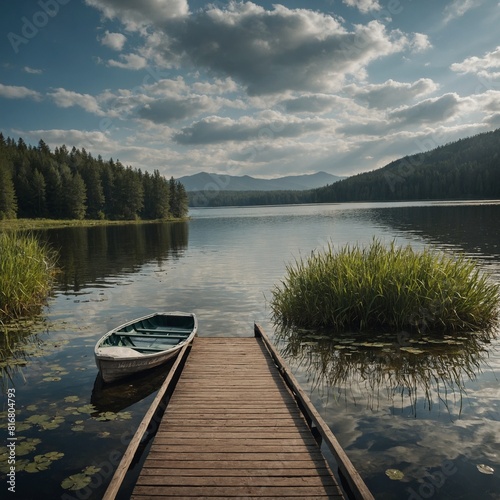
x,y
389,288
26,271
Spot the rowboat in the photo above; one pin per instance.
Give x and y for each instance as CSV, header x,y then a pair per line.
x,y
143,343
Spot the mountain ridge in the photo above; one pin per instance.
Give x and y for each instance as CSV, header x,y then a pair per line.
x,y
204,181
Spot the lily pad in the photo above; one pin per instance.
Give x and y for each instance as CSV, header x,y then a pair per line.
x,y
79,481
394,474
71,399
106,416
32,407
27,446
485,469
53,424
37,419
91,470
76,482
86,409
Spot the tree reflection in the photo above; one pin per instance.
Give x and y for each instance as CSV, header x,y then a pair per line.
x,y
414,368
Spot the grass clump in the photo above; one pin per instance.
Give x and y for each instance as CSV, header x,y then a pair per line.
x,y
385,287
27,269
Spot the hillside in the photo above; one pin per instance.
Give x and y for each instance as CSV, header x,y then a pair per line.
x,y
465,169
206,181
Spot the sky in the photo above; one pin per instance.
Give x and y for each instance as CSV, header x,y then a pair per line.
x,y
257,88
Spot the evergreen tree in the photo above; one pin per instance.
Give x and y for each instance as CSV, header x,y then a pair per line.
x,y
156,196
74,195
8,202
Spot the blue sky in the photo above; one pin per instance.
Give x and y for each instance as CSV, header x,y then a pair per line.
x,y
256,88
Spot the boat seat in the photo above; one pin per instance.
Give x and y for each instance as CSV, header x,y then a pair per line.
x,y
139,334
179,331
117,352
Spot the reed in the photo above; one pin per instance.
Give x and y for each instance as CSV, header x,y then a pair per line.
x,y
27,268
385,287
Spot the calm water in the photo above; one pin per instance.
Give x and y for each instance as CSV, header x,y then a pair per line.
x,y
435,416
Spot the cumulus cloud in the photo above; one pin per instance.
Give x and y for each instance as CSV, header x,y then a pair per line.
x,y
391,94
17,92
428,111
67,98
270,51
114,41
171,109
475,64
137,14
215,129
91,140
364,6
129,61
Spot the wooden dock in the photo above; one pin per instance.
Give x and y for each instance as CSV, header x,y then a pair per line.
x,y
234,428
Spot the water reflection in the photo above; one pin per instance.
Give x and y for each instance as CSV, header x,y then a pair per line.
x,y
93,254
414,368
471,228
123,394
20,343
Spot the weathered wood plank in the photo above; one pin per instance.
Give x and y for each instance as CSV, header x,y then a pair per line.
x,y
253,481
232,429
235,492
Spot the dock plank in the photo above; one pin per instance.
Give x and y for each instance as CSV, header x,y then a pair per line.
x,y
233,430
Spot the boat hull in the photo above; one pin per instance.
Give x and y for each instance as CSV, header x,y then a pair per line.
x,y
116,362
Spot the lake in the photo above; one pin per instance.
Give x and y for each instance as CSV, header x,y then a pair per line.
x,y
430,409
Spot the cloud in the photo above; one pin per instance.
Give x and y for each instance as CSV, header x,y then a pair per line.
x,y
391,94
215,129
67,98
458,8
270,51
129,61
136,14
428,111
91,140
420,42
114,41
168,110
32,71
475,64
364,6
313,103
16,92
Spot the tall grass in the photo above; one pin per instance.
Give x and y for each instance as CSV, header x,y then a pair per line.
x,y
26,272
385,287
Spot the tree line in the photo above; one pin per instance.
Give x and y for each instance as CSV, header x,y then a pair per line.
x,y
465,169
38,183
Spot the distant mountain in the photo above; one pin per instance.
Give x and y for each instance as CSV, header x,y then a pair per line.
x,y
466,169
209,182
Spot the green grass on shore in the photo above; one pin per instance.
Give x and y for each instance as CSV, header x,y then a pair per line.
x,y
27,269
28,224
386,288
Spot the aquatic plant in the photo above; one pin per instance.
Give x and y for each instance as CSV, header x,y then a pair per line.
x,y
385,287
27,269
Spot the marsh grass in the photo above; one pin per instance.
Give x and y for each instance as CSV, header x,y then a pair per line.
x,y
385,287
27,268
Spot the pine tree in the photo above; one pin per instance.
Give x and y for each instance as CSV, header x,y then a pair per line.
x,y
8,202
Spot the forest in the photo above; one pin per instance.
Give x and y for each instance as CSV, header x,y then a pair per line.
x,y
465,169
38,183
